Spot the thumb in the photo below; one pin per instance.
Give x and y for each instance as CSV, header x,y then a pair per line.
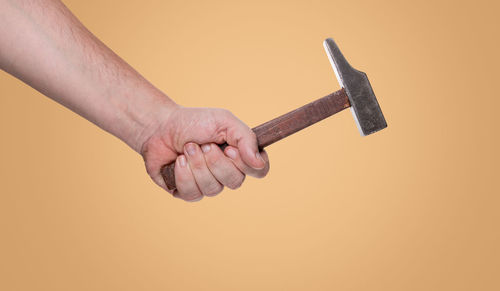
x,y
245,140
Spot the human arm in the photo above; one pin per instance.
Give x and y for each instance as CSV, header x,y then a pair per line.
x,y
43,44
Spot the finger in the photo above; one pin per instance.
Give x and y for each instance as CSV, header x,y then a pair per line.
x,y
187,189
235,156
206,182
242,137
222,167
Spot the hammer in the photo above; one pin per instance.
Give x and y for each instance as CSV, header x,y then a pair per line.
x,y
356,93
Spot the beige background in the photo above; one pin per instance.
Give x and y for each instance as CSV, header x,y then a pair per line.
x,y
414,207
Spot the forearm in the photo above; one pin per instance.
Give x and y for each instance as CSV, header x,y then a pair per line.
x,y
44,45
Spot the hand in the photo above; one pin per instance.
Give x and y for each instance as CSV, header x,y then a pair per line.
x,y
189,136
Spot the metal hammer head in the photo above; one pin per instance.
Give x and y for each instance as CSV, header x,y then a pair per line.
x,y
364,105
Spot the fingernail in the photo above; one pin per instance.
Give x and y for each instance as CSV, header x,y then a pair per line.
x,y
190,149
259,156
206,148
231,153
182,161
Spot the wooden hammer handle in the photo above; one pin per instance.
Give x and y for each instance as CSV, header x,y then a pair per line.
x,y
283,126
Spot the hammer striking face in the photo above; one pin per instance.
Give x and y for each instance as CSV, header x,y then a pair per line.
x,y
356,93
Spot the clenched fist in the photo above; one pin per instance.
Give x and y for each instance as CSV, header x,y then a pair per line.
x,y
189,136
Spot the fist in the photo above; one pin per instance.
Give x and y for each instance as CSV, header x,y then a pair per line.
x,y
189,136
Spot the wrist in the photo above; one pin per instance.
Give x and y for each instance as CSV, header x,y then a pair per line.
x,y
149,120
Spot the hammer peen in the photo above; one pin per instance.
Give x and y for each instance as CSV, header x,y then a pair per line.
x,y
356,93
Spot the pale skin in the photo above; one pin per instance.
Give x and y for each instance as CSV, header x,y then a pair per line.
x,y
43,44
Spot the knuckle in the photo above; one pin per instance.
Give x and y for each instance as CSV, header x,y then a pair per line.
x,y
181,177
222,113
225,112
212,160
197,163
